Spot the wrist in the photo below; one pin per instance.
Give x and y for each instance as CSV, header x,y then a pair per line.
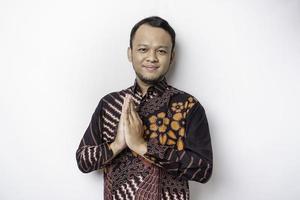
x,y
116,147
141,149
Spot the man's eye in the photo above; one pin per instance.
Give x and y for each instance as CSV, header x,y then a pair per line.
x,y
161,51
142,49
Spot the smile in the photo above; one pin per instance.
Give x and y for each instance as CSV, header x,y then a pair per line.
x,y
151,68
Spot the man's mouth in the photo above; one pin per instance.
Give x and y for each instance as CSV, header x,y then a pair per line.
x,y
150,68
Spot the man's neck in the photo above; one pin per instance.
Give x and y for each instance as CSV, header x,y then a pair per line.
x,y
143,86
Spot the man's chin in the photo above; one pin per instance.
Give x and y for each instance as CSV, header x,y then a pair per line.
x,y
150,80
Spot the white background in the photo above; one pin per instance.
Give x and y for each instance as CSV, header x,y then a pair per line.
x,y
240,58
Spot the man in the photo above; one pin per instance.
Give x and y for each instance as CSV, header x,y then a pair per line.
x,y
150,138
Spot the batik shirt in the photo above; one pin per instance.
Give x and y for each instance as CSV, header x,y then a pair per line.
x,y
178,145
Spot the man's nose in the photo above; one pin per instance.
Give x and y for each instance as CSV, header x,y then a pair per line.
x,y
152,56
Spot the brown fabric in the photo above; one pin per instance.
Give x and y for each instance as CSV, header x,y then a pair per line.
x,y
177,132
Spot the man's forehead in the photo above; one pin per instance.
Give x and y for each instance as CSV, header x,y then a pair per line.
x,y
149,35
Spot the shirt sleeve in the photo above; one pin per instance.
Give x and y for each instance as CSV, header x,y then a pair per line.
x,y
195,161
92,153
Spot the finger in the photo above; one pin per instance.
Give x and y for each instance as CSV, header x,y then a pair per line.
x,y
127,104
126,119
124,103
123,106
126,112
133,112
131,117
123,112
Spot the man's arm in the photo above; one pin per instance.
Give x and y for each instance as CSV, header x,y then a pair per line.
x,y
92,153
195,161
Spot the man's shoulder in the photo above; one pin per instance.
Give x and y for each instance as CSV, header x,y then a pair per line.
x,y
185,99
180,94
117,95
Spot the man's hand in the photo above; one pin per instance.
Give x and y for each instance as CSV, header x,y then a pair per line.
x,y
120,144
134,130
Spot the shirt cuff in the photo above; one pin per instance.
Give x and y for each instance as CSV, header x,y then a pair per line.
x,y
107,152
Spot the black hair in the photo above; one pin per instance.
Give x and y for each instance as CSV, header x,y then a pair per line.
x,y
154,21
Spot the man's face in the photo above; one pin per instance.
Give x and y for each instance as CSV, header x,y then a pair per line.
x,y
151,54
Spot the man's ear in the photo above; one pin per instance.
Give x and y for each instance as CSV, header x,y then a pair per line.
x,y
172,56
129,54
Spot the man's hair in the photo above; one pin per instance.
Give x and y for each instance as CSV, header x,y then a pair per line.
x,y
154,21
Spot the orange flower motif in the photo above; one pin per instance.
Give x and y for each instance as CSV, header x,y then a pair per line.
x,y
177,106
159,127
180,144
146,132
158,124
178,124
191,102
171,134
171,142
163,138
172,137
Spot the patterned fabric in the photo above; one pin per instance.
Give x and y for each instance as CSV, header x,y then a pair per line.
x,y
178,144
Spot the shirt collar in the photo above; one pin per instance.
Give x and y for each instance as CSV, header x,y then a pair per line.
x,y
158,88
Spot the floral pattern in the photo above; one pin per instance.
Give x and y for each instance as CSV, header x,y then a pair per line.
x,y
170,131
178,124
189,103
163,115
177,106
158,124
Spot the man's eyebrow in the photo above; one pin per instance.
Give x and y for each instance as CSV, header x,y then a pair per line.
x,y
161,46
142,45
166,47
